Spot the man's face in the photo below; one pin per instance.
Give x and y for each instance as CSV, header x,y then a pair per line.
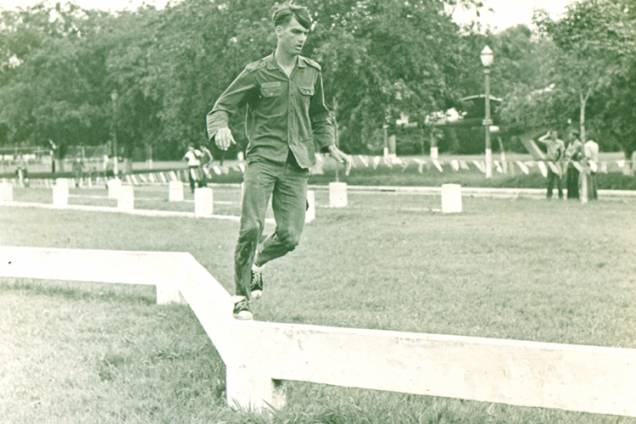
x,y
291,37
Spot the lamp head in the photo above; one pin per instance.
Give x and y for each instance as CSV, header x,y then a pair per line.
x,y
487,57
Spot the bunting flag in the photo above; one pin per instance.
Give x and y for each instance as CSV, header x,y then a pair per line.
x,y
420,165
543,168
391,161
523,167
554,167
480,166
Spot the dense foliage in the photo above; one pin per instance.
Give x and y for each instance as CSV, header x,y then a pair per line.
x,y
147,78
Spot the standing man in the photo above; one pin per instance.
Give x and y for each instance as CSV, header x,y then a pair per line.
x,y
573,157
193,160
286,120
555,149
591,157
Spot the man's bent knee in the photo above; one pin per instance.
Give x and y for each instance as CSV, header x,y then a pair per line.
x,y
289,239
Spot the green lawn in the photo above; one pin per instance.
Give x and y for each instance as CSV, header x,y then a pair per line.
x,y
523,269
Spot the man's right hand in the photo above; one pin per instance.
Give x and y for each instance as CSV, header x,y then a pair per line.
x,y
224,138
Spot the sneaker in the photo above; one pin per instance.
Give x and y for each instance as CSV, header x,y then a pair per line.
x,y
256,285
242,309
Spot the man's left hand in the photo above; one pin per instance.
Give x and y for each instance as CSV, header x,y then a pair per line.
x,y
339,155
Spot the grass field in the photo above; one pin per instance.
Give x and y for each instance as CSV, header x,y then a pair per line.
x,y
523,269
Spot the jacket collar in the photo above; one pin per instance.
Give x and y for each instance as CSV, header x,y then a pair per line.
x,y
271,61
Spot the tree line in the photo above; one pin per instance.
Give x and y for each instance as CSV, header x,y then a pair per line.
x,y
148,77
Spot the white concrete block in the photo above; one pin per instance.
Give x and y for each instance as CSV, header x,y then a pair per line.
x,y
310,214
113,188
451,198
203,202
60,194
337,195
126,198
62,182
6,192
250,388
175,191
168,293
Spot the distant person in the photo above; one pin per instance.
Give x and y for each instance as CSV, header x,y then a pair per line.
x,y
573,155
193,161
555,151
22,173
591,150
287,121
78,171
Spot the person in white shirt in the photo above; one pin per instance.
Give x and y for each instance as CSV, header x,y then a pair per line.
x,y
591,150
193,160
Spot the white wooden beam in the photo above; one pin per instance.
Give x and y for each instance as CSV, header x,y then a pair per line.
x,y
570,377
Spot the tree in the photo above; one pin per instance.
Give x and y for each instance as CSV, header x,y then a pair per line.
x,y
593,44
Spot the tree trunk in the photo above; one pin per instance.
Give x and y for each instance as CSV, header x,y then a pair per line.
x,y
583,104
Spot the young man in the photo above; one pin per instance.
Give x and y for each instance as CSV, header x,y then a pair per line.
x,y
193,160
591,151
573,154
555,149
286,120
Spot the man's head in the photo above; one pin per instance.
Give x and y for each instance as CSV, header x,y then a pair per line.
x,y
292,24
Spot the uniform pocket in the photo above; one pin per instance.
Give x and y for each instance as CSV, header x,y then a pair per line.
x,y
306,91
271,89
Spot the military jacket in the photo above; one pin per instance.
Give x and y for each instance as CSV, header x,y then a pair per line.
x,y
283,113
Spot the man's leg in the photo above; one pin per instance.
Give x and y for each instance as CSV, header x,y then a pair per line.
x,y
289,203
258,185
191,180
551,176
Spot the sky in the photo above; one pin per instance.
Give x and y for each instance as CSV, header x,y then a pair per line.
x,y
504,14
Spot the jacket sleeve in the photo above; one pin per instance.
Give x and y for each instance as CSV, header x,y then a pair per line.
x,y
235,96
321,119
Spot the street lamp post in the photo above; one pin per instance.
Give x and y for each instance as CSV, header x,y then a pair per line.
x,y
114,96
487,57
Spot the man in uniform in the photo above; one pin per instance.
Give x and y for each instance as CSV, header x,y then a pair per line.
x,y
555,150
286,121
